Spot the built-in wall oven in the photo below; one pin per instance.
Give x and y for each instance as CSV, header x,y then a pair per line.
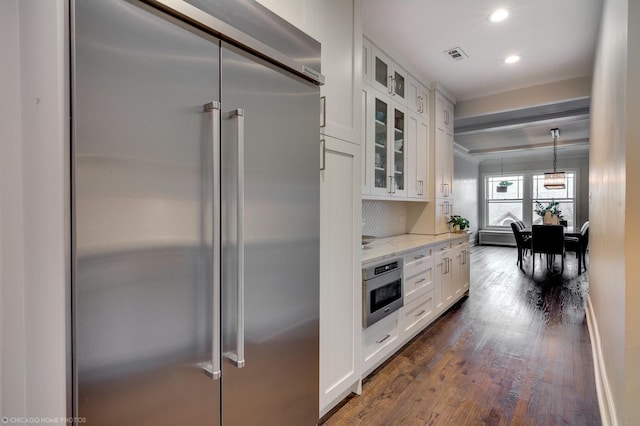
x,y
381,290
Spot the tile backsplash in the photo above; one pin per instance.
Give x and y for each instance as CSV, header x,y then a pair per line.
x,y
383,218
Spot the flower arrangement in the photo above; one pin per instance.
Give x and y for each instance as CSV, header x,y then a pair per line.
x,y
553,207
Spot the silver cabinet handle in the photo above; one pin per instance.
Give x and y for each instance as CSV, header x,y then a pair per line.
x,y
389,182
420,256
383,339
323,146
392,90
419,314
238,358
420,281
420,104
323,111
214,109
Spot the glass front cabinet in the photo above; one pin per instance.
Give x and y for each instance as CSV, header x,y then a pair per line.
x,y
389,77
386,135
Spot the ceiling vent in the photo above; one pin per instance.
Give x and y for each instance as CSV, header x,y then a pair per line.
x,y
456,54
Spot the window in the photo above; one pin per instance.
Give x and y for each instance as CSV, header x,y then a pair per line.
x,y
566,197
504,202
516,198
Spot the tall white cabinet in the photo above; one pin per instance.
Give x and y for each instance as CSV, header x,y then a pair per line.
x,y
340,294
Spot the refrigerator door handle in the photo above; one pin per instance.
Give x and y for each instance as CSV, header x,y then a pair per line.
x,y
237,359
214,109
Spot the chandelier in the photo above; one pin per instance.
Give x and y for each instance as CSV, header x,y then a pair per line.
x,y
555,179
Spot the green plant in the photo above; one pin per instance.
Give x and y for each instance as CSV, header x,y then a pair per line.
x,y
553,207
505,183
459,221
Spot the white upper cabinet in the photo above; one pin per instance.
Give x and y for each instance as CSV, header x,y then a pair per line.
x,y
341,38
417,157
388,77
443,146
386,146
418,98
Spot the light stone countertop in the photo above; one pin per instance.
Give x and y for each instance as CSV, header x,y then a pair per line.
x,y
384,248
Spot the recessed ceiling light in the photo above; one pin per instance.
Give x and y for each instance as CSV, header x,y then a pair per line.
x,y
499,15
512,59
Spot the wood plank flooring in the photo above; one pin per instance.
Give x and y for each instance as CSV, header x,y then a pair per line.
x,y
515,352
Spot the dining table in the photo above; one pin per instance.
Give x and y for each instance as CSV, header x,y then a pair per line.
x,y
569,231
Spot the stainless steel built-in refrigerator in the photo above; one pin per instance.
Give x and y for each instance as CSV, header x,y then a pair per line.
x,y
195,203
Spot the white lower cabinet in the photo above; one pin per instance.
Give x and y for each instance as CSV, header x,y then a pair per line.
x,y
443,279
340,273
435,276
461,274
379,341
417,314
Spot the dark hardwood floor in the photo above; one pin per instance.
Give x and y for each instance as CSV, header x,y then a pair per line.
x,y
515,352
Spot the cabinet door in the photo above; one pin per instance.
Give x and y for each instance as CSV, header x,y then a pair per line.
x,y
340,270
417,157
397,149
379,117
443,163
443,281
417,98
388,77
465,271
367,66
341,38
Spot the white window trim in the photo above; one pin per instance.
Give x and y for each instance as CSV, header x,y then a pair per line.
x,y
527,179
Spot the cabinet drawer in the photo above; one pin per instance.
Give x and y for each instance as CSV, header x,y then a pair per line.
x,y
417,257
441,247
418,314
461,242
380,339
418,284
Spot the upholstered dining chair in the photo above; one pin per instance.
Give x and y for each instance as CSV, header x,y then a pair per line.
x,y
579,246
522,243
547,239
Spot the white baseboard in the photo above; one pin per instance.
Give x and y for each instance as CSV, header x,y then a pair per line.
x,y
605,399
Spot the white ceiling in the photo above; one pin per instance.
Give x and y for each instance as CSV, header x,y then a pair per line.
x,y
556,39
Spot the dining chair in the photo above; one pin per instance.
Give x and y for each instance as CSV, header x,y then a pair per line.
x,y
579,246
548,239
522,243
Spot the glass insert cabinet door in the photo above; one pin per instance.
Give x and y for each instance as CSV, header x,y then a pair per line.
x,y
388,77
381,165
399,147
389,177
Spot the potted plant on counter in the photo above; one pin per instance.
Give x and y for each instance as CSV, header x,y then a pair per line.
x,y
458,223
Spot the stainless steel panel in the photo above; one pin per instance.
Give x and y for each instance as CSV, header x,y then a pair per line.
x,y
142,183
253,27
279,382
255,20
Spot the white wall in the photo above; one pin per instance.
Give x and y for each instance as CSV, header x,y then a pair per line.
x,y
465,194
615,206
12,330
34,218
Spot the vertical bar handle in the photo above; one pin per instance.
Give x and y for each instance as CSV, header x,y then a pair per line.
x,y
213,108
323,111
323,146
238,358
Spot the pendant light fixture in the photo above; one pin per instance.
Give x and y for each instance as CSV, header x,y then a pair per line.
x,y
555,179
